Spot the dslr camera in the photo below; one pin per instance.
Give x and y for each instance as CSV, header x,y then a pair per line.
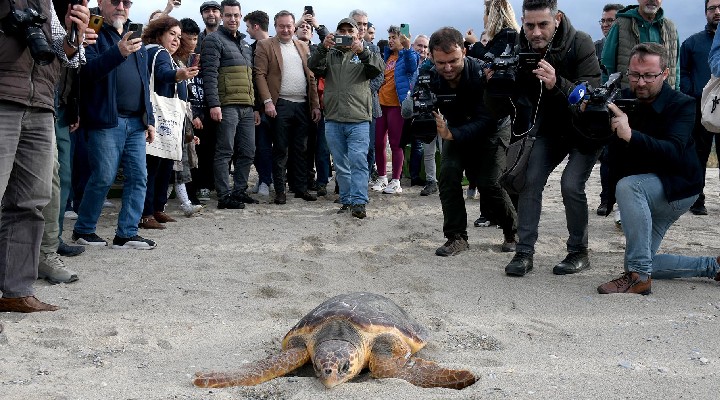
x,y
27,25
506,68
594,122
343,40
424,103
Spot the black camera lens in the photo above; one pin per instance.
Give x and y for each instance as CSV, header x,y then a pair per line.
x,y
39,48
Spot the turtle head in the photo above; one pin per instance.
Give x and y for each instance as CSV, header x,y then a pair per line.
x,y
335,362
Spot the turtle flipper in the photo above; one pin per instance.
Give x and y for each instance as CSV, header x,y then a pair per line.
x,y
257,372
390,358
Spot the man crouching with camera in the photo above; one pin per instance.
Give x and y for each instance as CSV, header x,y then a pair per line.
x,y
470,140
655,173
33,47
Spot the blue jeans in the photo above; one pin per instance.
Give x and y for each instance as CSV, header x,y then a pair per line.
x,y
348,143
545,156
322,154
107,148
646,216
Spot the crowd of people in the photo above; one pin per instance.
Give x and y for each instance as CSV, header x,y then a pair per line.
x,y
171,106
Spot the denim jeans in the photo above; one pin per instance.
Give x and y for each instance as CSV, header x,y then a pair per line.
x,y
26,171
371,144
322,154
348,143
80,166
107,149
235,142
429,158
65,156
646,217
545,156
263,151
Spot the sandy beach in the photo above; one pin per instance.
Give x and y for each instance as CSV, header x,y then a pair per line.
x,y
222,288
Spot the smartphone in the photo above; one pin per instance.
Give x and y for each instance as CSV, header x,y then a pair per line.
x,y
193,60
309,10
528,61
95,23
405,29
136,30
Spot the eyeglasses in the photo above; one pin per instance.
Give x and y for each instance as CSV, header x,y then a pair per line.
x,y
648,78
712,9
125,3
608,21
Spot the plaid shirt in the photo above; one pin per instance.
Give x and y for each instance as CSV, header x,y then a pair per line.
x,y
58,38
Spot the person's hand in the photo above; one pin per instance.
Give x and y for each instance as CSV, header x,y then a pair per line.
x,y
310,19
619,123
270,110
316,114
404,41
182,74
196,140
128,46
90,37
216,114
329,41
441,125
150,134
470,36
78,14
258,120
488,73
197,123
357,46
75,125
546,73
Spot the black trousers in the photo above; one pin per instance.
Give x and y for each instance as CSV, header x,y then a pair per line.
x,y
203,176
289,135
703,146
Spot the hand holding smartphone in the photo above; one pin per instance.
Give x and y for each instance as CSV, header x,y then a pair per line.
x,y
136,30
193,60
95,23
405,29
309,10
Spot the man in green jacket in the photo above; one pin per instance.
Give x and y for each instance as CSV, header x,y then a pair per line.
x,y
645,22
347,70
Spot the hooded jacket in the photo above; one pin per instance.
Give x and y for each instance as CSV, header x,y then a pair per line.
x,y
630,29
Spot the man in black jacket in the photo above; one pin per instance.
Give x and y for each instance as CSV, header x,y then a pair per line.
x,y
655,173
470,140
568,56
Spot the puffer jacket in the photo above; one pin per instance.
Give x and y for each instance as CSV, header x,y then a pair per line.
x,y
227,64
347,96
405,69
23,81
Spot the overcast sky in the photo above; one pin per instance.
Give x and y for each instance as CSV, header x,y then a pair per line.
x,y
427,16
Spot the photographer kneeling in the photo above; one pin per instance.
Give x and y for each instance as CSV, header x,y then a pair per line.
x,y
471,143
655,173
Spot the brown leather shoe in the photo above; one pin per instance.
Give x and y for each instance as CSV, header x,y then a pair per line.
x,y
280,198
24,305
150,223
629,282
162,217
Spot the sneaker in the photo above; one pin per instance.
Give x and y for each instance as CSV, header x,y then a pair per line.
x,y
379,184
263,190
231,203
629,282
618,220
358,211
53,270
344,209
430,188
245,198
67,250
698,209
107,203
521,264
483,222
393,187
470,194
307,196
204,195
189,209
70,214
574,262
453,246
135,242
322,190
88,239
256,187
373,174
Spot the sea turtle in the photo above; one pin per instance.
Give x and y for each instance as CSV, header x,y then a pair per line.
x,y
341,337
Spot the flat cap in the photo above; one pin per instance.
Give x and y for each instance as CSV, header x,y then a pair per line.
x,y
209,4
348,21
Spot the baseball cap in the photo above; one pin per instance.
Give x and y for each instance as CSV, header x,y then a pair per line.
x,y
347,21
209,4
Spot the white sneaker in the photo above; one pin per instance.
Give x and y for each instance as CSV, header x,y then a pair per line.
x,y
53,270
379,184
618,220
71,214
393,187
189,209
263,190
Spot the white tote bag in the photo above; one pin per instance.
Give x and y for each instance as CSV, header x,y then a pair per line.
x,y
710,105
169,119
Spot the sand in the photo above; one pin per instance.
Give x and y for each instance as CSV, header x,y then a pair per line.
x,y
224,287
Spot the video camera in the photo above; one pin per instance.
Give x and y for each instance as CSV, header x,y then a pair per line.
x,y
424,103
594,122
506,68
27,25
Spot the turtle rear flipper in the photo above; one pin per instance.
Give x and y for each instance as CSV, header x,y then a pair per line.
x,y
257,372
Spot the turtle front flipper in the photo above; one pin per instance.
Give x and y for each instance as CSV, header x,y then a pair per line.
x,y
390,358
257,372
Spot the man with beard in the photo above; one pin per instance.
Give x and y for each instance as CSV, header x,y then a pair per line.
x,y
694,75
210,12
645,22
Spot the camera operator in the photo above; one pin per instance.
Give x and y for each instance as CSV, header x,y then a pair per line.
x,y
568,56
470,139
655,174
33,47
